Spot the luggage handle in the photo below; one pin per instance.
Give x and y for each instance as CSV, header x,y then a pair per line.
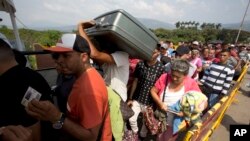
x,y
100,24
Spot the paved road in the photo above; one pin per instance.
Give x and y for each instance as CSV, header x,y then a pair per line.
x,y
237,113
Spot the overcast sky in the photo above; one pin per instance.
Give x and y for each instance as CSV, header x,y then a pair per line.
x,y
51,13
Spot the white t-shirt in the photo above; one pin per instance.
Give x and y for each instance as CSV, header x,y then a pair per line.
x,y
159,57
192,69
116,75
170,99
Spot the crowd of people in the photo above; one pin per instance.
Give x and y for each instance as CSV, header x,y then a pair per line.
x,y
89,103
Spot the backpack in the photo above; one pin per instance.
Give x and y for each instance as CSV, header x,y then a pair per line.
x,y
192,104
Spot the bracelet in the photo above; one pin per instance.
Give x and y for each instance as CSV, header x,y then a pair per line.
x,y
57,118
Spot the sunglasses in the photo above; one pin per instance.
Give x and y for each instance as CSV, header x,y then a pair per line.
x,y
55,56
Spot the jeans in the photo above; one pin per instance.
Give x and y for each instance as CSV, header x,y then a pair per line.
x,y
213,99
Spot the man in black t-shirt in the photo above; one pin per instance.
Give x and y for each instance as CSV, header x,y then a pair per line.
x,y
14,82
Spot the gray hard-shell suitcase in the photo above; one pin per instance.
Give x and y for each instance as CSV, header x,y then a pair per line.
x,y
118,28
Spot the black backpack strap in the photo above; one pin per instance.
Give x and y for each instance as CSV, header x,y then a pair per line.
x,y
165,89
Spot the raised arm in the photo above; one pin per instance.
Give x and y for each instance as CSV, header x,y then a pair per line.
x,y
95,54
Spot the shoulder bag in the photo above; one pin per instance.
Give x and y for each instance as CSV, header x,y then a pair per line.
x,y
156,121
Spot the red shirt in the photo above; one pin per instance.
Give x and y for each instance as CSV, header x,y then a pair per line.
x,y
88,103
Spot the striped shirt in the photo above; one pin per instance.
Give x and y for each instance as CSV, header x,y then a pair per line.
x,y
219,77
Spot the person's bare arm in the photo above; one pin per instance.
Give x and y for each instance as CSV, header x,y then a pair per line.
x,y
15,133
199,69
97,55
157,99
79,132
45,110
132,91
20,133
36,131
238,64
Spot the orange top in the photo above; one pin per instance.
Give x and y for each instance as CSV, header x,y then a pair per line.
x,y
88,103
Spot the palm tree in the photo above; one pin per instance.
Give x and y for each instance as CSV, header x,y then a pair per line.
x,y
218,26
193,24
186,24
196,25
212,25
208,25
189,23
178,24
182,24
203,25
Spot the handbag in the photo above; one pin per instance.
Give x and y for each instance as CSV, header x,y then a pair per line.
x,y
126,111
151,122
206,89
156,121
129,136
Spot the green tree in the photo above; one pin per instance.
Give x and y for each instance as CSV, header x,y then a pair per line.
x,y
196,25
178,24
162,33
203,25
209,34
218,26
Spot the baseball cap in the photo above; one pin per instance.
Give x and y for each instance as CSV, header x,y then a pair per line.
x,y
3,37
165,46
181,50
232,45
70,42
195,43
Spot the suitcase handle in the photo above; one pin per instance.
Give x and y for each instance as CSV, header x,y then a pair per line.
x,y
101,25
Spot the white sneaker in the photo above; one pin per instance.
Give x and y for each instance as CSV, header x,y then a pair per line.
x,y
248,85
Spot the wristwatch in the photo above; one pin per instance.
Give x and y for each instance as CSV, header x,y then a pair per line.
x,y
58,124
